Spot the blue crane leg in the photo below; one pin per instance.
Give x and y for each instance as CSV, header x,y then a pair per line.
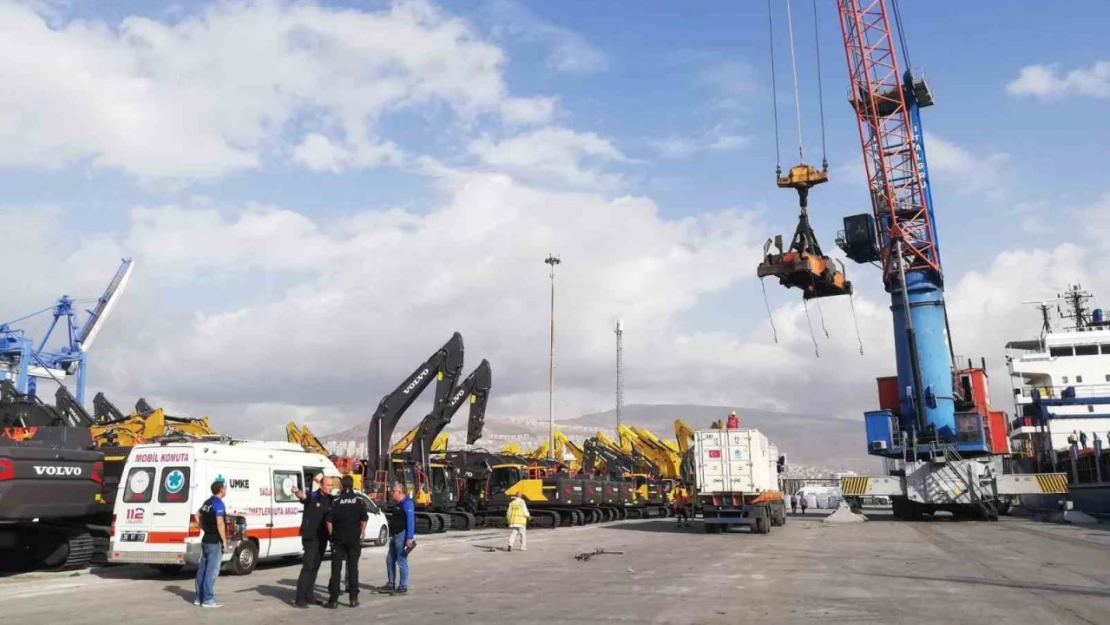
x,y
927,309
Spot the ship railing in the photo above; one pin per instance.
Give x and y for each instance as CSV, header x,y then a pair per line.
x,y
1071,391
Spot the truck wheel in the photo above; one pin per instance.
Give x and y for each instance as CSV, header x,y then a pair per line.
x,y
245,558
762,525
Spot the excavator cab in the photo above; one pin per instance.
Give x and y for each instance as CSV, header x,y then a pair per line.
x,y
802,265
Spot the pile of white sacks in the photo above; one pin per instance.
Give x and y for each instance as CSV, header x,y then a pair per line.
x,y
844,514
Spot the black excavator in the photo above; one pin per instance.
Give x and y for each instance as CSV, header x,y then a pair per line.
x,y
383,470
54,508
443,477
555,497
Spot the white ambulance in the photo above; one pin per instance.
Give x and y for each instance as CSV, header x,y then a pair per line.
x,y
163,485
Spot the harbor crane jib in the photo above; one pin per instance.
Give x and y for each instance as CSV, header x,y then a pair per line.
x,y
22,361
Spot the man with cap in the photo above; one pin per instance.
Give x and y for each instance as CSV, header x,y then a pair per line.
x,y
733,421
348,523
315,524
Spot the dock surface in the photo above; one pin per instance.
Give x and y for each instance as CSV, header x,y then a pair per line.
x,y
885,571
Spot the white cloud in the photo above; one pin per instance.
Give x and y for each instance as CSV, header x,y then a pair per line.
x,y
568,51
528,111
972,172
572,54
356,303
225,89
552,154
1048,82
733,84
318,153
684,147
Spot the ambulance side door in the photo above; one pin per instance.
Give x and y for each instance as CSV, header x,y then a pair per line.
x,y
286,510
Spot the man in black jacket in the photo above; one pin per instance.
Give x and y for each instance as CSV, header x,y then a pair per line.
x,y
348,523
314,538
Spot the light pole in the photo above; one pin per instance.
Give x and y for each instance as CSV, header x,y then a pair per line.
x,y
551,260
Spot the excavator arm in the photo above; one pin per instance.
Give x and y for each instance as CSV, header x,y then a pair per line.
x,y
563,446
313,443
476,386
403,445
684,435
105,411
443,367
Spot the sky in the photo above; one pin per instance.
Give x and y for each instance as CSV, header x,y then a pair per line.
x,y
317,194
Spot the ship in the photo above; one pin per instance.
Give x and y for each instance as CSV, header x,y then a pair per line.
x,y
1061,388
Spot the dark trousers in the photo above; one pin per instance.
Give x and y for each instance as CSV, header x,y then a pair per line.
x,y
683,516
310,568
340,553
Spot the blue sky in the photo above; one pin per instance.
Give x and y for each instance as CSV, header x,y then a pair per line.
x,y
660,102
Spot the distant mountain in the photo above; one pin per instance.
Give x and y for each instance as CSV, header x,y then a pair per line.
x,y
813,440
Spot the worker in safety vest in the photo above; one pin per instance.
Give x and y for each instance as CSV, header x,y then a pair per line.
x,y
517,517
733,421
681,505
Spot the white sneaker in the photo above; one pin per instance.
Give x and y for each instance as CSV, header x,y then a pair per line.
x,y
196,602
214,604
524,548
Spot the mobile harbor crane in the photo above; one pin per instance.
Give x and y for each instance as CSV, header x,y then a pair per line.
x,y
944,443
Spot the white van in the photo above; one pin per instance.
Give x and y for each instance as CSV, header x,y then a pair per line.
x,y
163,484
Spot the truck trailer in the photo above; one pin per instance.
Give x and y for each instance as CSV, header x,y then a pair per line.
x,y
736,477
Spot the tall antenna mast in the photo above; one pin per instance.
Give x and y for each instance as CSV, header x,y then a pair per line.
x,y
619,330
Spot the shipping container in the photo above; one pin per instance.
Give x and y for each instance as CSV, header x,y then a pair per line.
x,y
737,480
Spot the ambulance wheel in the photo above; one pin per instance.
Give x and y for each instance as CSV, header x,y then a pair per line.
x,y
245,558
383,537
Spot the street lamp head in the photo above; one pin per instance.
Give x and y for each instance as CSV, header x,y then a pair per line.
x,y
552,260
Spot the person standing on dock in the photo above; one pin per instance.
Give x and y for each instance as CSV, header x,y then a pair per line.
x,y
348,524
802,501
794,503
517,517
1082,439
314,538
212,519
402,540
733,421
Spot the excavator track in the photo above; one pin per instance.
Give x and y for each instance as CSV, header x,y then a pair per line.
x,y
462,521
424,523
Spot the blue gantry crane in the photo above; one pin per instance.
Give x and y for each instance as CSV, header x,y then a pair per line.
x,y
22,360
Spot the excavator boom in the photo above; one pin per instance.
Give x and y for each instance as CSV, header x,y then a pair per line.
x,y
476,386
444,367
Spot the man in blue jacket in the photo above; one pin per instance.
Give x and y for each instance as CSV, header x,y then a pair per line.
x,y
402,529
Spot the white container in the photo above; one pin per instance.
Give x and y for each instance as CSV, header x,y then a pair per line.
x,y
734,461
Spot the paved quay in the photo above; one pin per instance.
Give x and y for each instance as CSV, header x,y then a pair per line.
x,y
885,571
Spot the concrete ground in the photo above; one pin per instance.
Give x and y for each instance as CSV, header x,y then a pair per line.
x,y
885,571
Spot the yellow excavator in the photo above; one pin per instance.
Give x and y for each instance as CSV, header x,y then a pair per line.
x,y
510,449
564,447
113,429
668,461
